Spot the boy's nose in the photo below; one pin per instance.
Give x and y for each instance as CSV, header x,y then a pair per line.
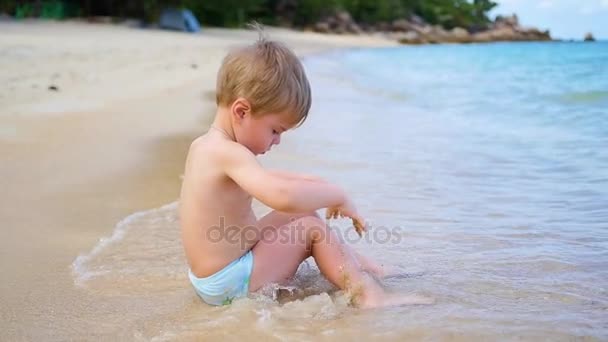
x,y
277,140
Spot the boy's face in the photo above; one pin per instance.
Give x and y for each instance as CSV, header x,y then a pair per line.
x,y
260,133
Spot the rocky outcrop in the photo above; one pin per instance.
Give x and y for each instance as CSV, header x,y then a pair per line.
x,y
341,22
414,30
589,37
509,29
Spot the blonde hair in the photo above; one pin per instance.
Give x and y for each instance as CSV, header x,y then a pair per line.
x,y
269,75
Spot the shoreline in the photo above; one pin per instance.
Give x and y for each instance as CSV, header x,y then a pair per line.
x,y
73,173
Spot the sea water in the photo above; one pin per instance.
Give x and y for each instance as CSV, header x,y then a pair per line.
x,y
483,171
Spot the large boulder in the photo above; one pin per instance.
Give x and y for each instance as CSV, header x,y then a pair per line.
x,y
353,27
409,38
589,37
423,30
340,22
332,22
366,27
343,17
459,35
531,34
383,26
401,25
482,37
416,20
322,27
503,34
436,34
536,34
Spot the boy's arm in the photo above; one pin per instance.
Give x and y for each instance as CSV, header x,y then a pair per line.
x,y
280,193
292,175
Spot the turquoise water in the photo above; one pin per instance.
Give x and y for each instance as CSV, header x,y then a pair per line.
x,y
493,162
483,170
518,130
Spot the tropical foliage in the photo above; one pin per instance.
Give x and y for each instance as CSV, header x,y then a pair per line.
x,y
448,13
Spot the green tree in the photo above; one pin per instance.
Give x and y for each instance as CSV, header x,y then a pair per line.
x,y
448,13
482,8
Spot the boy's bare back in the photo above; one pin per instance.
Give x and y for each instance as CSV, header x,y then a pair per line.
x,y
211,202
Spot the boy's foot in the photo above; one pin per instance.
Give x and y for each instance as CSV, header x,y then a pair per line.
x,y
371,295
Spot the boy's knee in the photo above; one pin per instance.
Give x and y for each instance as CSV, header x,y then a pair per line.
x,y
314,214
315,228
314,222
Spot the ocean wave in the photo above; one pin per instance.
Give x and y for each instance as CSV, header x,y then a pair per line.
x,y
106,258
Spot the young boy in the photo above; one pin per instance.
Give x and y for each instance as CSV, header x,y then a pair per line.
x,y
262,91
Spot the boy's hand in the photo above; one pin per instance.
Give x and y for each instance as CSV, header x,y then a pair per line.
x,y
347,209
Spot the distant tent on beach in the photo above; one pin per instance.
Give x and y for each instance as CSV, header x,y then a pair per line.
x,y
179,19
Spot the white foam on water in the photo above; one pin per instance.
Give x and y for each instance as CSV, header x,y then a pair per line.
x,y
80,267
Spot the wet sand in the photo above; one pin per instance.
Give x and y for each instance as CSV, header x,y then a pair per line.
x,y
111,141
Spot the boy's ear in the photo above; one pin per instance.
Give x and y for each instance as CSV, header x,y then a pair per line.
x,y
241,107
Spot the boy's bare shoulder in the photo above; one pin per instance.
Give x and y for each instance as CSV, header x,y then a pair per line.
x,y
213,149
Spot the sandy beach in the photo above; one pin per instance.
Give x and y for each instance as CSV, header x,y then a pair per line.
x,y
95,121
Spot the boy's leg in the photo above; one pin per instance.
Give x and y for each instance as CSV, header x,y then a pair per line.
x,y
273,226
276,258
276,219
277,255
369,265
